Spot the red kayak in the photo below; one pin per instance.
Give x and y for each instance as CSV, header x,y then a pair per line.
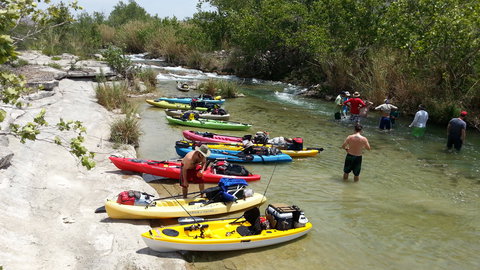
x,y
171,169
210,137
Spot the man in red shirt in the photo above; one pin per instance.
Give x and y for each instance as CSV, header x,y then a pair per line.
x,y
355,103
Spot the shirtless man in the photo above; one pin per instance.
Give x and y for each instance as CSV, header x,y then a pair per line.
x,y
354,145
189,166
386,108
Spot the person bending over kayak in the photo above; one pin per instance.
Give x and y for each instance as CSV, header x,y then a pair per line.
x,y
354,144
189,165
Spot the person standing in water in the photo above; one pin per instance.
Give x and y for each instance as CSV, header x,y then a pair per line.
x,y
456,132
354,145
355,103
188,168
419,123
386,108
339,105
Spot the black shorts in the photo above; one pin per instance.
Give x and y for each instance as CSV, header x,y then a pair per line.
x,y
353,163
455,142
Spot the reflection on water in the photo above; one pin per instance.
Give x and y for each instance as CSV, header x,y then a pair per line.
x,y
415,207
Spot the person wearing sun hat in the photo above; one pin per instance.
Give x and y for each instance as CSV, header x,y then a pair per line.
x,y
456,132
355,103
188,168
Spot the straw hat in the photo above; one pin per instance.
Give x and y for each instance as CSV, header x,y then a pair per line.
x,y
204,150
356,94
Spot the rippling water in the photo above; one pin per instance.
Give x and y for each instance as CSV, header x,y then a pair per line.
x,y
415,207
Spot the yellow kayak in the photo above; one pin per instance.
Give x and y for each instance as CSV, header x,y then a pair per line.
x,y
220,235
239,147
171,105
171,208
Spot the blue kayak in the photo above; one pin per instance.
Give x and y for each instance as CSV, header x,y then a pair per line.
x,y
188,100
235,156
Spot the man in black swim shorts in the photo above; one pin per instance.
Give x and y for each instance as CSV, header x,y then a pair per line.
x,y
354,145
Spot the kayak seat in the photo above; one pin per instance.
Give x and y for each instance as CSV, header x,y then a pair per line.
x,y
138,160
243,231
170,232
253,217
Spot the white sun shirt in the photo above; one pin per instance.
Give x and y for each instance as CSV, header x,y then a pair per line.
x,y
420,120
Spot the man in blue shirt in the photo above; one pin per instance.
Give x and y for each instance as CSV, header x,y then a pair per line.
x,y
456,131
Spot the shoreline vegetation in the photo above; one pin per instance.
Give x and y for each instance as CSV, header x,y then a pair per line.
x,y
424,52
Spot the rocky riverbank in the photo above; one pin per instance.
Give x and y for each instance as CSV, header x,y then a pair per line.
x,y
49,199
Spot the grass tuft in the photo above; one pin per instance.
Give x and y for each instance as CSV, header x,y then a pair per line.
x,y
125,130
226,89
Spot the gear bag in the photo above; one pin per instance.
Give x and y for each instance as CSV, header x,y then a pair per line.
x,y
284,217
228,190
223,167
133,197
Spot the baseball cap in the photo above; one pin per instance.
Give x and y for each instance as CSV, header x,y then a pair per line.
x,y
463,113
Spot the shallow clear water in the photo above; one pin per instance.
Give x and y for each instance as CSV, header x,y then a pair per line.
x,y
416,206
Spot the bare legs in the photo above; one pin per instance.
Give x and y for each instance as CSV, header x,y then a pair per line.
x,y
355,177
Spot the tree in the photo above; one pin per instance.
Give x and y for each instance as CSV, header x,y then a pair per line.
x,y
12,86
123,13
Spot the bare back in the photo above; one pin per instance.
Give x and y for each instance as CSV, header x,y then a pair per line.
x,y
354,144
192,159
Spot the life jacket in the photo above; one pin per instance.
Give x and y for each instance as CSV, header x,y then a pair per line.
x,y
297,144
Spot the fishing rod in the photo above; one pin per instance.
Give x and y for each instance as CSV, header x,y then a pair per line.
x,y
265,192
200,225
269,180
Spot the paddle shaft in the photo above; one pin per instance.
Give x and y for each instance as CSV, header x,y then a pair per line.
x,y
190,220
175,196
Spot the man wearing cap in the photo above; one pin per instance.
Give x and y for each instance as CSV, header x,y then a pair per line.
x,y
419,123
188,169
456,131
386,108
355,103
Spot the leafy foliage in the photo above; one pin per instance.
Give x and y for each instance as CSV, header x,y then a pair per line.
x,y
12,86
116,59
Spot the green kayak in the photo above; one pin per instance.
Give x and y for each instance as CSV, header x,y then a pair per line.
x,y
171,105
208,123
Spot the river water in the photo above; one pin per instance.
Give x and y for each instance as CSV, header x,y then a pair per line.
x,y
416,205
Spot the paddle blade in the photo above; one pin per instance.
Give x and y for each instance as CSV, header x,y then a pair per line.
x,y
150,177
189,220
101,209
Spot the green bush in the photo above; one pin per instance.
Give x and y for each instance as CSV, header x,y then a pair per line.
x,y
112,95
133,36
116,59
226,89
125,130
166,43
147,76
